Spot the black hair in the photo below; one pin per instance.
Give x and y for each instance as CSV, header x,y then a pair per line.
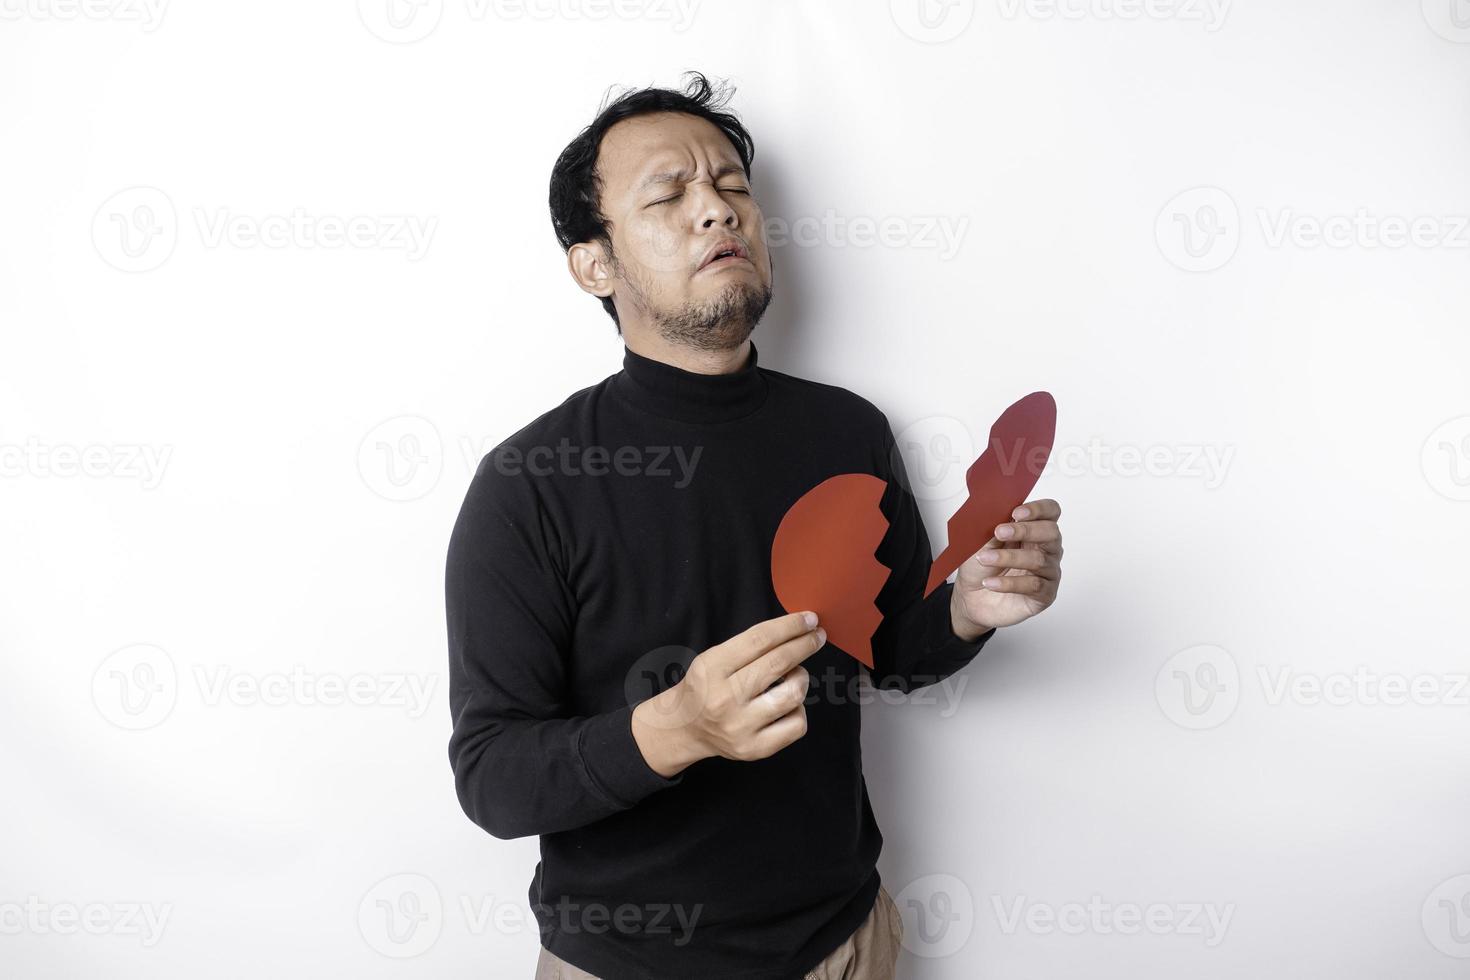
x,y
576,187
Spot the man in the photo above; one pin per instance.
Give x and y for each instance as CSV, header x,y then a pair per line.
x,y
623,680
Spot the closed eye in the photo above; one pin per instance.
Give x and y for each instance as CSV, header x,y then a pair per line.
x,y
674,197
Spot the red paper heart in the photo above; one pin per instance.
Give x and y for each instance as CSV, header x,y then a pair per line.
x,y
822,559
1000,480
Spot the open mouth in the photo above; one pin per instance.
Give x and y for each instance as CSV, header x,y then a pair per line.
x,y
723,255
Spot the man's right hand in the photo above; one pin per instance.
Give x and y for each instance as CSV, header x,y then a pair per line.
x,y
742,699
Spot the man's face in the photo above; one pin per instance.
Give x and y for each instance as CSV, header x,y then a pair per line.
x,y
674,195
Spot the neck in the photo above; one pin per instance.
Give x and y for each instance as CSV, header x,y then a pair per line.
x,y
696,360
712,390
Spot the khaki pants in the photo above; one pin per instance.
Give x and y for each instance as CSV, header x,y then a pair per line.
x,y
871,953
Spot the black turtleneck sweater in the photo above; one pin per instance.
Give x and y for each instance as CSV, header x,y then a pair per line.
x,y
598,549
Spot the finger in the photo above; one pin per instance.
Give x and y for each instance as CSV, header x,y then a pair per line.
x,y
745,648
781,732
1028,559
1023,584
1039,532
777,700
759,674
1045,509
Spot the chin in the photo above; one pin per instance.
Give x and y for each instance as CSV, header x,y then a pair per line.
x,y
720,318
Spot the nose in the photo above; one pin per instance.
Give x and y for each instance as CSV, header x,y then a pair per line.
x,y
713,209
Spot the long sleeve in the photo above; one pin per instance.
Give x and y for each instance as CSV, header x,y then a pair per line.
x,y
520,766
916,645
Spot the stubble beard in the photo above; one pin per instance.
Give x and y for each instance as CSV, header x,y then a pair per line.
x,y
722,322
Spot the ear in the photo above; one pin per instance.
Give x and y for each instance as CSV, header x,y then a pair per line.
x,y
589,266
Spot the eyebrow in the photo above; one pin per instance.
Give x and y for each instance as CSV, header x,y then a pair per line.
x,y
683,175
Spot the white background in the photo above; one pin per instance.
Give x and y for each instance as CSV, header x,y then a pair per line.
x,y
231,465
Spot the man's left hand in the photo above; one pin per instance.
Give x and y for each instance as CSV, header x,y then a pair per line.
x,y
1015,576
